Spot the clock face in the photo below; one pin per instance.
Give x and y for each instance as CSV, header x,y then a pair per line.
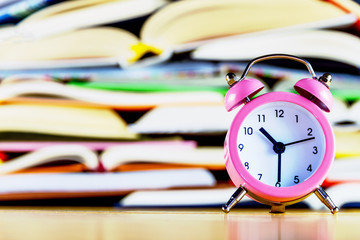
x,y
281,144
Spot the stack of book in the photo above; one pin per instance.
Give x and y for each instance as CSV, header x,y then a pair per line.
x,y
124,98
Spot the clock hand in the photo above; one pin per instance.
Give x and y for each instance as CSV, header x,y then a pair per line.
x,y
303,140
268,136
279,147
279,169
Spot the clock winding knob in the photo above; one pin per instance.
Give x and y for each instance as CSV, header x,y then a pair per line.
x,y
326,78
231,78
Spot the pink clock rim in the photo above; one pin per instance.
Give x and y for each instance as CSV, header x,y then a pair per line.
x,y
240,175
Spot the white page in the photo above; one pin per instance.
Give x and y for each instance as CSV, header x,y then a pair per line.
x,y
91,182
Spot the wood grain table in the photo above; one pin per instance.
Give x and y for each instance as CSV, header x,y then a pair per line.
x,y
115,223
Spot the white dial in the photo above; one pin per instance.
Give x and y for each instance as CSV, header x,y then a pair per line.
x,y
281,144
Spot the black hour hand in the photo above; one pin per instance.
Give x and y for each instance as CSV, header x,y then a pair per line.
x,y
268,136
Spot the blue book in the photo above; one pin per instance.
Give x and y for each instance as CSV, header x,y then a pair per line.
x,y
15,12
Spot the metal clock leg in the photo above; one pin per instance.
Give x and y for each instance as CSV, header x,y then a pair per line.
x,y
234,199
325,199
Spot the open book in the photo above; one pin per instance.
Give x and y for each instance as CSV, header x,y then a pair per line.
x,y
344,114
344,170
184,119
79,14
346,123
347,142
215,197
114,156
63,121
31,89
75,185
91,169
65,35
320,44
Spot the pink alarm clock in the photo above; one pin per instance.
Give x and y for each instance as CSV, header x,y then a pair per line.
x,y
280,145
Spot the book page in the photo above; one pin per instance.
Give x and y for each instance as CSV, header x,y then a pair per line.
x,y
102,182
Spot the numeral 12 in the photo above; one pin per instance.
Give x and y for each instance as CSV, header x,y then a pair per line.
x,y
279,113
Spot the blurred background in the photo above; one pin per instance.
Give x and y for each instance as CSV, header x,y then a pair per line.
x,y
120,102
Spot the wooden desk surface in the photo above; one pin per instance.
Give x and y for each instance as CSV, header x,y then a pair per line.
x,y
112,223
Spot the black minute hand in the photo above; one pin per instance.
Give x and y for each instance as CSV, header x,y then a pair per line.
x,y
279,169
303,140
